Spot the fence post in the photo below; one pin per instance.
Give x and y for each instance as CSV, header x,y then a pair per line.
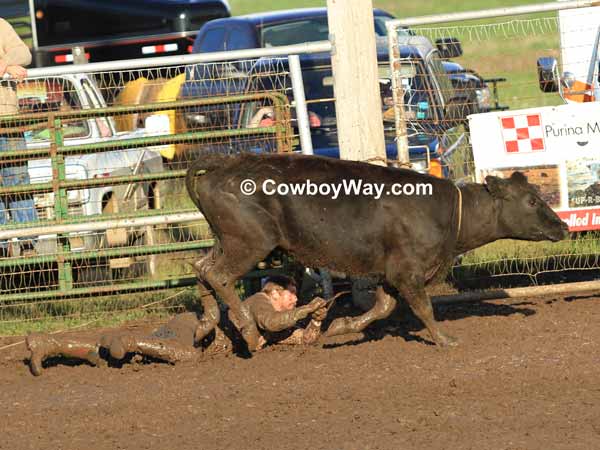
x,y
356,80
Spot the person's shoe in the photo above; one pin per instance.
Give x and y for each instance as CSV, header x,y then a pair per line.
x,y
117,349
120,346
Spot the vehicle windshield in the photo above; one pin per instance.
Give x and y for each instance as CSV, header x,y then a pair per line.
x,y
51,94
306,30
445,85
418,100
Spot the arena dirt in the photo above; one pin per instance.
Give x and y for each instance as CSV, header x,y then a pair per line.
x,y
526,375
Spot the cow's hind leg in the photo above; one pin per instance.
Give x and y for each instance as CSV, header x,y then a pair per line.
x,y
383,307
228,267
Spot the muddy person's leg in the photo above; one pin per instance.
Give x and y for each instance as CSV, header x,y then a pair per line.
x,y
211,313
168,350
43,346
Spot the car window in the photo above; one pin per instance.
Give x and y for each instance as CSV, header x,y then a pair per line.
x,y
445,85
418,92
51,94
307,30
295,32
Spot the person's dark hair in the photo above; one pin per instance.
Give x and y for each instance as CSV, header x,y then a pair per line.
x,y
278,283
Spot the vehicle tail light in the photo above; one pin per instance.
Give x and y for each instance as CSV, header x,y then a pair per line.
x,y
67,58
435,168
163,48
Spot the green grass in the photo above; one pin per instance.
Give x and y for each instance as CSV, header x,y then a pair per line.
x,y
399,9
53,315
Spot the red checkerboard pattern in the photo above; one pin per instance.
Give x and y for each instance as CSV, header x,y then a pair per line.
x,y
522,133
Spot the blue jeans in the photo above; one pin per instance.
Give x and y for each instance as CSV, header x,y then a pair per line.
x,y
20,206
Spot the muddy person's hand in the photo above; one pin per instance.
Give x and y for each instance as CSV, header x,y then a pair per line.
x,y
316,303
319,315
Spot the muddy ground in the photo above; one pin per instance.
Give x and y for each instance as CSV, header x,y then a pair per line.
x,y
526,375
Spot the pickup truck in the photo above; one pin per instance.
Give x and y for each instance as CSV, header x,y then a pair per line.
x,y
65,92
126,29
431,81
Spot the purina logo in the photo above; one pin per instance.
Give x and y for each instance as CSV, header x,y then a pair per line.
x,y
523,133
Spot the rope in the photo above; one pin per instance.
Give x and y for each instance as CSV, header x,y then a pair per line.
x,y
459,213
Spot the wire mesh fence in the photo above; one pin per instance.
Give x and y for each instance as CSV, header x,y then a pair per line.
x,y
444,73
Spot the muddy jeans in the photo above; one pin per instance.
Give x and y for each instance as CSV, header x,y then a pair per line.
x,y
20,206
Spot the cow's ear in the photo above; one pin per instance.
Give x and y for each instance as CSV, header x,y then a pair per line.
x,y
496,186
519,178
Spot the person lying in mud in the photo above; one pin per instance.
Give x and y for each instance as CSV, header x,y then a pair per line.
x,y
180,338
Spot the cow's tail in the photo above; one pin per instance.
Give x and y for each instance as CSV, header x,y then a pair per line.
x,y
204,164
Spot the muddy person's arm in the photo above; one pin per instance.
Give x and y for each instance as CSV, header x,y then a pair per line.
x,y
275,321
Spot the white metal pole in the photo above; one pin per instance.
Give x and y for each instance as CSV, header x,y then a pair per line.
x,y
101,225
300,104
34,37
129,64
498,12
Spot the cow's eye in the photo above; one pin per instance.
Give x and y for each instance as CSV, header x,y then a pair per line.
x,y
532,202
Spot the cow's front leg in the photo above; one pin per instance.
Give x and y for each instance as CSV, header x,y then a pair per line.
x,y
383,307
420,303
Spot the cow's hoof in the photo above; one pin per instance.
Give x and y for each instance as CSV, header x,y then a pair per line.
x,y
341,325
445,340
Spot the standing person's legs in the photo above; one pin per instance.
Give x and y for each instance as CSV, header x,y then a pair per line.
x,y
21,206
4,146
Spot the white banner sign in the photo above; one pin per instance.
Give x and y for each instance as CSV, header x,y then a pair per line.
x,y
557,147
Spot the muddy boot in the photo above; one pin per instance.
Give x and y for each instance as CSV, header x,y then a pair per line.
x,y
40,347
121,345
43,346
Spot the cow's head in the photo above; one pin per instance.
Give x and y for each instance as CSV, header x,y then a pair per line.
x,y
524,215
